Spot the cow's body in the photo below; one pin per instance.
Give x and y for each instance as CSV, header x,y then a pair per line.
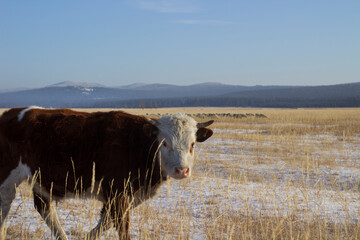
x,y
109,155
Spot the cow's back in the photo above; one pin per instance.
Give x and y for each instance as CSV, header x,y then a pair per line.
x,y
21,125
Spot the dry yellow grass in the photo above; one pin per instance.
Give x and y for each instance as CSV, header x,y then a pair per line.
x,y
293,175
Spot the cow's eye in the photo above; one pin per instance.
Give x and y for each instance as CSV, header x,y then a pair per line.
x,y
165,144
192,147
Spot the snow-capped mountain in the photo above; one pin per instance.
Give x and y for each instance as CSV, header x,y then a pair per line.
x,y
76,84
83,94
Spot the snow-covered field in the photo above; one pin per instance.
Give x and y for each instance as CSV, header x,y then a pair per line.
x,y
248,173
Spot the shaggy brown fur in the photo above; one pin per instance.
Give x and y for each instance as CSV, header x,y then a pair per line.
x,y
62,146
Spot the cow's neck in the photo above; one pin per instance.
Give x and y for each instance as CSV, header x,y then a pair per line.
x,y
148,185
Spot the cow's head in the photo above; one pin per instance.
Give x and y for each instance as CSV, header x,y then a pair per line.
x,y
178,134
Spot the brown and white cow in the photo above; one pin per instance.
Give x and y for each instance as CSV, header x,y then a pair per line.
x,y
119,158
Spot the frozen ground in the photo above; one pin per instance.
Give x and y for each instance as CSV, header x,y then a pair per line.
x,y
231,176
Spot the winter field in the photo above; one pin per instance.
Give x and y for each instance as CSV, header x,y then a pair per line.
x,y
292,175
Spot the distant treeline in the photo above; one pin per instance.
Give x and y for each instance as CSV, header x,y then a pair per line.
x,y
232,102
197,102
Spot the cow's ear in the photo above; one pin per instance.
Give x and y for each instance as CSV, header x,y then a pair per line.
x,y
203,134
150,130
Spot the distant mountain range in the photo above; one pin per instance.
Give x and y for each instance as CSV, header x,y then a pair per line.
x,y
83,94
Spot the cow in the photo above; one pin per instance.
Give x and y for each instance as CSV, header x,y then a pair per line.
x,y
118,158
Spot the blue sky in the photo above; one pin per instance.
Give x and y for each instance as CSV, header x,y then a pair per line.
x,y
119,42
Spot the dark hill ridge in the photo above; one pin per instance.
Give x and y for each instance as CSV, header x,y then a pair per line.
x,y
339,91
75,94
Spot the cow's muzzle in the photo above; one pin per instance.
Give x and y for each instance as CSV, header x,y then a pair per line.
x,y
180,173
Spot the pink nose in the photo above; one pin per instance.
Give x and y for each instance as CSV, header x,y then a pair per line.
x,y
181,172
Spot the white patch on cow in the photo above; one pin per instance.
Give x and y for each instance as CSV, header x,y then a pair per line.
x,y
7,188
17,175
178,132
22,113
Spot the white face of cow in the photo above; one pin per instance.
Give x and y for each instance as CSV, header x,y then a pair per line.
x,y
178,135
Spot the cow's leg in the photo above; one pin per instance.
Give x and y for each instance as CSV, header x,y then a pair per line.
x,y
7,195
115,212
121,215
104,224
48,213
